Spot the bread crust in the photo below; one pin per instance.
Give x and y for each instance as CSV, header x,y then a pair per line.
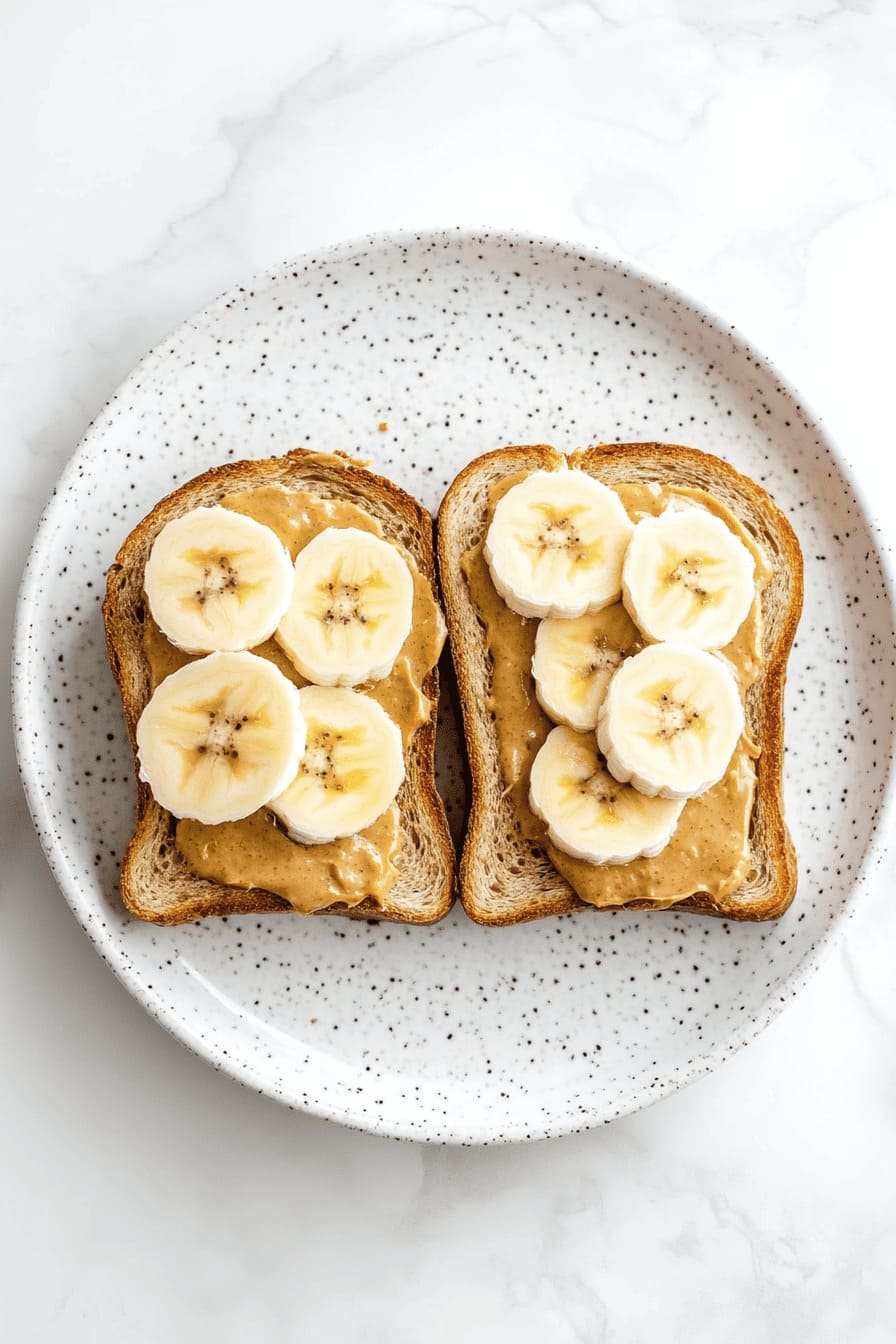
x,y
534,888
156,884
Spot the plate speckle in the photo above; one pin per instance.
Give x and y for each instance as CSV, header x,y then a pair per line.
x,y
419,353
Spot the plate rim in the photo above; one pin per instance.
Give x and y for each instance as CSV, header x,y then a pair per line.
x,y
176,1024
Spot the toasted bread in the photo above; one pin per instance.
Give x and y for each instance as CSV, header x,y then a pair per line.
x,y
505,876
156,883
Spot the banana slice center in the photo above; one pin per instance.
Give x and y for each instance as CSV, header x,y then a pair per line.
x,y
332,757
674,716
219,576
601,788
318,760
215,735
350,602
604,659
560,531
692,573
221,739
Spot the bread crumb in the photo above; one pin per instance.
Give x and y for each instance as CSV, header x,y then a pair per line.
x,y
383,426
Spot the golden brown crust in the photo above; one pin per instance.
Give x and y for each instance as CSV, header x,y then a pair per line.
x,y
546,892
155,883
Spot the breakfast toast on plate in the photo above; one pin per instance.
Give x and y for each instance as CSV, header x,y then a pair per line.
x,y
274,628
643,598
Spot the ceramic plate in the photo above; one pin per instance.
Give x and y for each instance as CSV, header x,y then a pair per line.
x,y
420,352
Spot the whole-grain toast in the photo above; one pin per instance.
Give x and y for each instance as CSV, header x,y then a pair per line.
x,y
505,876
156,883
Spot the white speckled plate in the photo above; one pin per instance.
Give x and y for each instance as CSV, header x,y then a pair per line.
x,y
459,342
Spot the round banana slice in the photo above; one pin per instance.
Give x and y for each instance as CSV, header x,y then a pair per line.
x,y
575,659
217,580
351,608
670,721
556,543
588,813
220,737
688,578
352,768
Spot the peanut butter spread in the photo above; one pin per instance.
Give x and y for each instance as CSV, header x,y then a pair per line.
x,y
710,849
254,852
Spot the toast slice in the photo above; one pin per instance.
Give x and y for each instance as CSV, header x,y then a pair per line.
x,y
156,883
505,877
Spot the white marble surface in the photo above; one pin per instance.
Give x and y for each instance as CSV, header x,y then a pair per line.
x,y
153,154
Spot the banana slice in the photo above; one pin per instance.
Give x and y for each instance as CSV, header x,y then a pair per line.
x,y
352,768
588,813
688,578
575,659
217,580
670,721
351,608
220,737
556,544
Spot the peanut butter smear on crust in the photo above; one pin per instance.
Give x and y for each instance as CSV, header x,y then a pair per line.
x,y
710,849
254,852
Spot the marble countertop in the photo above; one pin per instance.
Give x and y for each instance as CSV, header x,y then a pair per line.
x,y
153,155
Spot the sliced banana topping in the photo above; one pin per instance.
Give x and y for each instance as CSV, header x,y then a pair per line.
x,y
688,578
575,659
588,813
220,736
217,580
351,608
556,543
352,768
670,721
